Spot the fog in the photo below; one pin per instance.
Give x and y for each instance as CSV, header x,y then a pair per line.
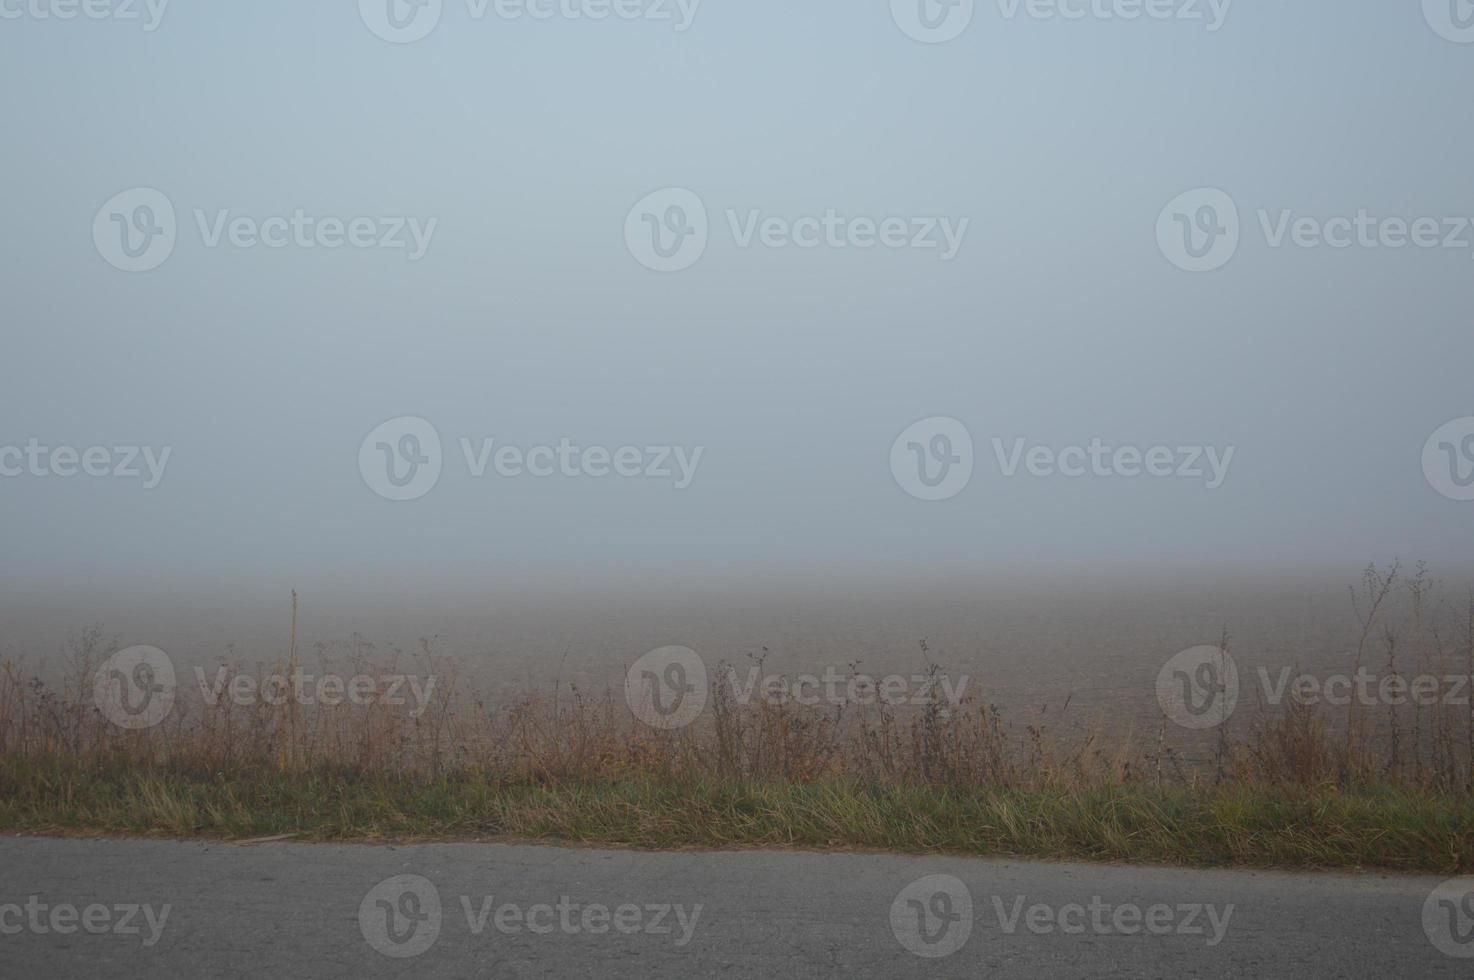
x,y
1277,411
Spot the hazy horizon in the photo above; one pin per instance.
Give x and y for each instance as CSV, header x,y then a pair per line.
x,y
756,297
527,321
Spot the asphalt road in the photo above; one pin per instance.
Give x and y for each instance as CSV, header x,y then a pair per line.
x,y
125,908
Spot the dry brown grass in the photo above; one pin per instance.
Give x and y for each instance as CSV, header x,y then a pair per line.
x,y
567,734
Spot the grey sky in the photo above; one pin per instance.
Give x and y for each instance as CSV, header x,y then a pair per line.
x,y
529,321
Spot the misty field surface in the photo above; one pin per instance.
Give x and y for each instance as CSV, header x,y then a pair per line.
x,y
1302,782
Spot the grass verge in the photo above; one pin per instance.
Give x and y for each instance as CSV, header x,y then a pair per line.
x,y
1251,826
1382,784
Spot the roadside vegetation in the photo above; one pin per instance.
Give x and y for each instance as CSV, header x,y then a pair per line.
x,y
1298,786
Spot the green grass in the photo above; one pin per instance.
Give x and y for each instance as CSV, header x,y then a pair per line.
x,y
1244,826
